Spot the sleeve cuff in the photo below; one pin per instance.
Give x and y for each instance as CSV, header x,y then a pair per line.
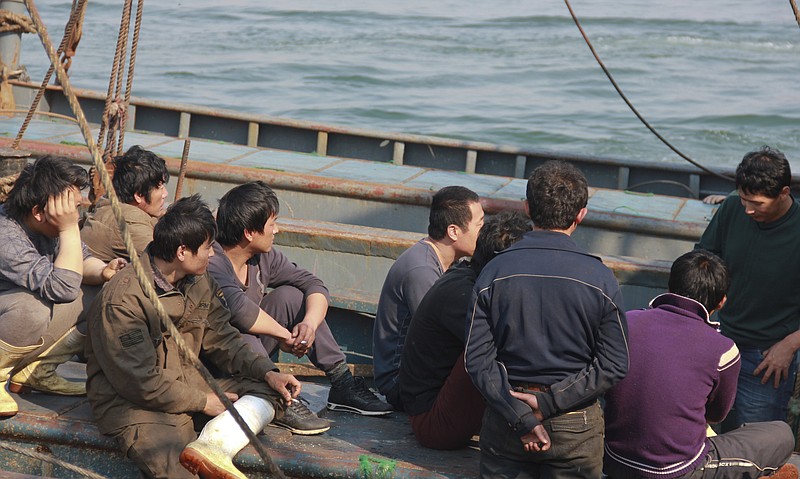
x,y
547,404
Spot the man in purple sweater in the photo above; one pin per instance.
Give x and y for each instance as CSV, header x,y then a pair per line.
x,y
682,376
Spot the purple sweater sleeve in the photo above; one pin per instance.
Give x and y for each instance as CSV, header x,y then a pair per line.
x,y
722,395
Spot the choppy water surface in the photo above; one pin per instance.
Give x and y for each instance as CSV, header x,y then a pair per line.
x,y
717,78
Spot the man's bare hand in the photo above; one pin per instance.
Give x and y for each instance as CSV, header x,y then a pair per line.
x,y
537,440
531,401
776,362
214,406
61,210
112,267
303,335
285,384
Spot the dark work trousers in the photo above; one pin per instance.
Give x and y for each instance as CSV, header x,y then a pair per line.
x,y
286,305
455,415
753,450
576,451
156,447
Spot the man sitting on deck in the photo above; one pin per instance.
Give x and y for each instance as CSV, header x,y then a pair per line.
x,y
291,316
140,181
682,375
143,391
456,217
445,407
43,265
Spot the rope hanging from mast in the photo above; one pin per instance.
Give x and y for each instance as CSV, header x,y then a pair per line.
x,y
796,12
74,23
630,105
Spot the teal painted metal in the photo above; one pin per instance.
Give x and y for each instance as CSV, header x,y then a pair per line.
x,y
385,147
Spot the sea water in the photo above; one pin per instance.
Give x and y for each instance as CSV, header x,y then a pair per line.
x,y
717,78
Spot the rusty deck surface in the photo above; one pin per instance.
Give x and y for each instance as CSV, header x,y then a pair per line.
x,y
355,446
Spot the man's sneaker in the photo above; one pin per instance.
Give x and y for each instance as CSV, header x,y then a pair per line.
x,y
354,396
300,420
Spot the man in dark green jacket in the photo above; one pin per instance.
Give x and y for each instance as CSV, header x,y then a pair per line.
x,y
757,232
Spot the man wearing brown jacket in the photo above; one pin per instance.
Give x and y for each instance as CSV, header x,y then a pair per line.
x,y
140,181
142,391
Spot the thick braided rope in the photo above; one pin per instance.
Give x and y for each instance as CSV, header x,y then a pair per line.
x,y
122,39
137,26
11,22
73,19
136,263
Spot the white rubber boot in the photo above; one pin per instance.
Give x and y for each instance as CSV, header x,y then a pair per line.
x,y
41,374
9,357
211,455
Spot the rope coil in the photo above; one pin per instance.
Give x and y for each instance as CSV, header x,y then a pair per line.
x,y
11,22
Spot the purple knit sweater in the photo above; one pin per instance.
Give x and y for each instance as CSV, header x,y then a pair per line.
x,y
682,376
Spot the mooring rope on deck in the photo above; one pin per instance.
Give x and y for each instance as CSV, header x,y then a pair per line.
x,y
135,262
630,105
51,459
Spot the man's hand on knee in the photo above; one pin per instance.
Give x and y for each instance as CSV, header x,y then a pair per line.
x,y
214,406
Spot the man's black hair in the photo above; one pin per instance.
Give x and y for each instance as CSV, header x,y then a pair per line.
x,y
246,207
765,171
138,171
700,275
498,233
48,176
188,222
450,206
556,193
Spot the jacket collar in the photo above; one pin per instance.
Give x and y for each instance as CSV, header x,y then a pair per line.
x,y
685,306
552,240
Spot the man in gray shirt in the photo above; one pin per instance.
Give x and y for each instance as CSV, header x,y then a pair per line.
x,y
42,267
456,217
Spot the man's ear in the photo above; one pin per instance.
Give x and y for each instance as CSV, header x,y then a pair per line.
x,y
453,232
721,303
248,235
139,199
581,215
181,253
38,214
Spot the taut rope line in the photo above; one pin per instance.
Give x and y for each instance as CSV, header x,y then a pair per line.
x,y
630,105
135,261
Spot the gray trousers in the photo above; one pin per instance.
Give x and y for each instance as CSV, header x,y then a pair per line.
x,y
753,450
26,319
287,305
576,451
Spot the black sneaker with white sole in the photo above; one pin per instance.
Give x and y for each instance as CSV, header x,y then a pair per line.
x,y
354,396
300,420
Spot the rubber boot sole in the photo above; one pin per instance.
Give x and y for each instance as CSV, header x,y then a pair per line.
x,y
355,410
299,432
197,463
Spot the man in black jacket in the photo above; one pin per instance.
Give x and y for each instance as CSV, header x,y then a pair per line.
x,y
547,320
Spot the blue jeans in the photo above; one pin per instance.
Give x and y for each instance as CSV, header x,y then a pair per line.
x,y
756,402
